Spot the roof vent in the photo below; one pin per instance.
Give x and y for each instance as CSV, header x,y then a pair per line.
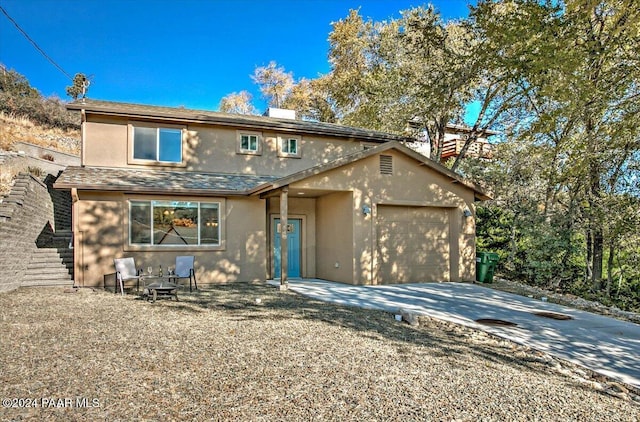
x,y
386,164
280,113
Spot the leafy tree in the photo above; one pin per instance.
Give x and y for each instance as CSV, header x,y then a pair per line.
x,y
275,84
16,85
584,82
238,103
439,71
604,66
419,69
311,100
352,83
18,97
573,70
79,87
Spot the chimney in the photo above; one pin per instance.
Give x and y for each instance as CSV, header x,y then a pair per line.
x,y
280,113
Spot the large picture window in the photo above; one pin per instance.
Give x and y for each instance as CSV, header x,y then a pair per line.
x,y
177,223
157,144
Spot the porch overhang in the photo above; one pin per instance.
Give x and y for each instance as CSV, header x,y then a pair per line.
x,y
158,181
298,192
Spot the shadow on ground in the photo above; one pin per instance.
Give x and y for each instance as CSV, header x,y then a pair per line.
x,y
257,301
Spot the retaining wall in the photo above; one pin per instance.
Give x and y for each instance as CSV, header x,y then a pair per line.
x,y
26,215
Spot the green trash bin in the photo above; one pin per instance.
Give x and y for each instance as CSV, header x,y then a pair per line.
x,y
486,263
482,266
493,265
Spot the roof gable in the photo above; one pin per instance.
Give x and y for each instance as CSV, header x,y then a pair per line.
x,y
479,193
158,181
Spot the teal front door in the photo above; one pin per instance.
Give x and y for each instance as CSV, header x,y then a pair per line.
x,y
293,252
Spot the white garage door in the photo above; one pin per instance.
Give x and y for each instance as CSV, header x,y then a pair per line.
x,y
413,244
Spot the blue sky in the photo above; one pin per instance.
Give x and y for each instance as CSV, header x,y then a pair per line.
x,y
187,53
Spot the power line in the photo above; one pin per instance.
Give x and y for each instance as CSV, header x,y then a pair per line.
x,y
35,44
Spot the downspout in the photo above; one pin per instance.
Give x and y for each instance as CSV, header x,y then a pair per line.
x,y
373,240
270,272
78,277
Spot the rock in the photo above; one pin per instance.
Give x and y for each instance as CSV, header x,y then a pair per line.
x,y
410,318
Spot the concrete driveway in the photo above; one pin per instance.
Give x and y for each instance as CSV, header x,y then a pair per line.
x,y
605,345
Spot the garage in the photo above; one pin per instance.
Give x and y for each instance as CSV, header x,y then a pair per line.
x,y
413,244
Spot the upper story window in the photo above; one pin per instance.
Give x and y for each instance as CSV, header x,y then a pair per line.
x,y
289,146
163,145
249,143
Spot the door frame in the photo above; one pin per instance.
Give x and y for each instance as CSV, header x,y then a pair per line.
x,y
303,237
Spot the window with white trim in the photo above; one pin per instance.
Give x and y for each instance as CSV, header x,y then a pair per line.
x,y
289,146
249,143
157,144
175,223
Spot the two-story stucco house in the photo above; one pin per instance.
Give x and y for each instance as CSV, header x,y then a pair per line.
x,y
361,208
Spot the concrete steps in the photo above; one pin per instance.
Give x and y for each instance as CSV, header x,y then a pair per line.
x,y
47,283
62,205
35,235
63,239
50,267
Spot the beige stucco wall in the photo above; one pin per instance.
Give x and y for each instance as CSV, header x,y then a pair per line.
x,y
412,184
467,243
101,236
335,235
106,143
209,148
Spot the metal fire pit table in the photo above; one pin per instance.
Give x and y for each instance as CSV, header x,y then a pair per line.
x,y
160,287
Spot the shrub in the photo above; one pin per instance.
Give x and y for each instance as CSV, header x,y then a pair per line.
x,y
18,98
36,171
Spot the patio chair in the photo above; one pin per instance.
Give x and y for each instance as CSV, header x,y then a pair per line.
x,y
184,269
125,271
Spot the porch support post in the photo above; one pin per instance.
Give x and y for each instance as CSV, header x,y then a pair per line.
x,y
284,222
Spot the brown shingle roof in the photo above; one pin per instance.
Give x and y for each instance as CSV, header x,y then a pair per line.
x,y
176,114
193,183
158,181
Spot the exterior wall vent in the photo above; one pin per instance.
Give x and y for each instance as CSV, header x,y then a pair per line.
x,y
280,113
386,164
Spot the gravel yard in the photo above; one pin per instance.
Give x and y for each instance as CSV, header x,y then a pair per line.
x,y
219,354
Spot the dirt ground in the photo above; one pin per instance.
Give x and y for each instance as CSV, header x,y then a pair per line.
x,y
250,352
